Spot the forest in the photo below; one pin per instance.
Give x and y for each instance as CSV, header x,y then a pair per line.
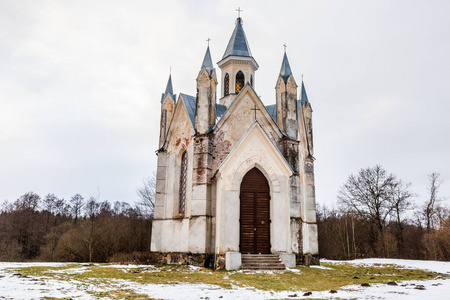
x,y
377,216
79,230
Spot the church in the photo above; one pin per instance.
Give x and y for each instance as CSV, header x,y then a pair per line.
x,y
235,178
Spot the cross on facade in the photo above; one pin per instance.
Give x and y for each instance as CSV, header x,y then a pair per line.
x,y
284,45
239,12
208,41
255,109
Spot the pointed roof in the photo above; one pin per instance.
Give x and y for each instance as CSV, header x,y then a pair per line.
x,y
285,70
169,89
207,62
238,44
304,97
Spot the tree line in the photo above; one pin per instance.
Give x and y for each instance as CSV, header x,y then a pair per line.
x,y
377,217
80,230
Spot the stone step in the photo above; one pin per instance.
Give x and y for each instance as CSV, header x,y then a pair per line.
x,y
261,258
248,254
245,268
264,267
262,262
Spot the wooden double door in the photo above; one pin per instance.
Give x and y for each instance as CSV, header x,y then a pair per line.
x,y
254,213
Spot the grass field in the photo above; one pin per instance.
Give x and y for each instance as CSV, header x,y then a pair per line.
x,y
115,280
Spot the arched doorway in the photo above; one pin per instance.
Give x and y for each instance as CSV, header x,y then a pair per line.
x,y
254,213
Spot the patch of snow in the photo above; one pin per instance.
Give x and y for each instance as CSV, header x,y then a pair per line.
x,y
14,286
195,268
293,270
17,287
321,267
428,265
129,266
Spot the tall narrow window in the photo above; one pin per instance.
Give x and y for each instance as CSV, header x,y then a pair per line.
x,y
183,178
226,85
239,81
251,80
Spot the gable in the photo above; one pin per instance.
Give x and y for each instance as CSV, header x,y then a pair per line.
x,y
181,128
237,119
190,105
254,143
241,113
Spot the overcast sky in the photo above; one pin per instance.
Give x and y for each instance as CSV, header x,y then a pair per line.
x,y
81,81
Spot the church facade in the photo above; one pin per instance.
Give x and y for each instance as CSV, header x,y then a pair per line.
x,y
235,176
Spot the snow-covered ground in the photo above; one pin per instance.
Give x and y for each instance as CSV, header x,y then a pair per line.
x,y
14,286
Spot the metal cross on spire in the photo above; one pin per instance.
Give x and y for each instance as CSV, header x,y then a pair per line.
x,y
239,12
208,41
284,45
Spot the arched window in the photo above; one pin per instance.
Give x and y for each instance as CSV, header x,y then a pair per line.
x,y
251,80
183,179
226,85
239,81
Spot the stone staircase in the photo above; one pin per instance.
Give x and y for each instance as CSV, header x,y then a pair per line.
x,y
270,262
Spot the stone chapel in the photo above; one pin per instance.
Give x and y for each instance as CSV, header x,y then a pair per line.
x,y
235,177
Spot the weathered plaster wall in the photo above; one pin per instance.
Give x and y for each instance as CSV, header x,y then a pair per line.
x,y
254,150
236,122
171,234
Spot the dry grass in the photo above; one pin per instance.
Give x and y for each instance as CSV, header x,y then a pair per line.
x,y
306,279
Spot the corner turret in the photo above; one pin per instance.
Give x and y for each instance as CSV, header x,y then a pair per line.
x,y
205,114
307,116
286,100
167,108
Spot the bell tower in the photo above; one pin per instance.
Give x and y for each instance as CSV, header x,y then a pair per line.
x,y
237,65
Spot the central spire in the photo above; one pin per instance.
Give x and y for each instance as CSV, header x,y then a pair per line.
x,y
238,44
237,65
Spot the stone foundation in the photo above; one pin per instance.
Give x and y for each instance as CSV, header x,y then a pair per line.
x,y
183,258
307,259
218,261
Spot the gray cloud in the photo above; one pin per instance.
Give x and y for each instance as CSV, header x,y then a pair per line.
x,y
80,84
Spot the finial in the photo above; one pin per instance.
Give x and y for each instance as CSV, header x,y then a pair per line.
x,y
302,77
208,41
284,45
239,12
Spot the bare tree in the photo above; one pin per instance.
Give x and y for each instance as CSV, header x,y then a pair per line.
x,y
431,208
369,194
147,195
77,204
401,201
27,226
92,210
28,201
